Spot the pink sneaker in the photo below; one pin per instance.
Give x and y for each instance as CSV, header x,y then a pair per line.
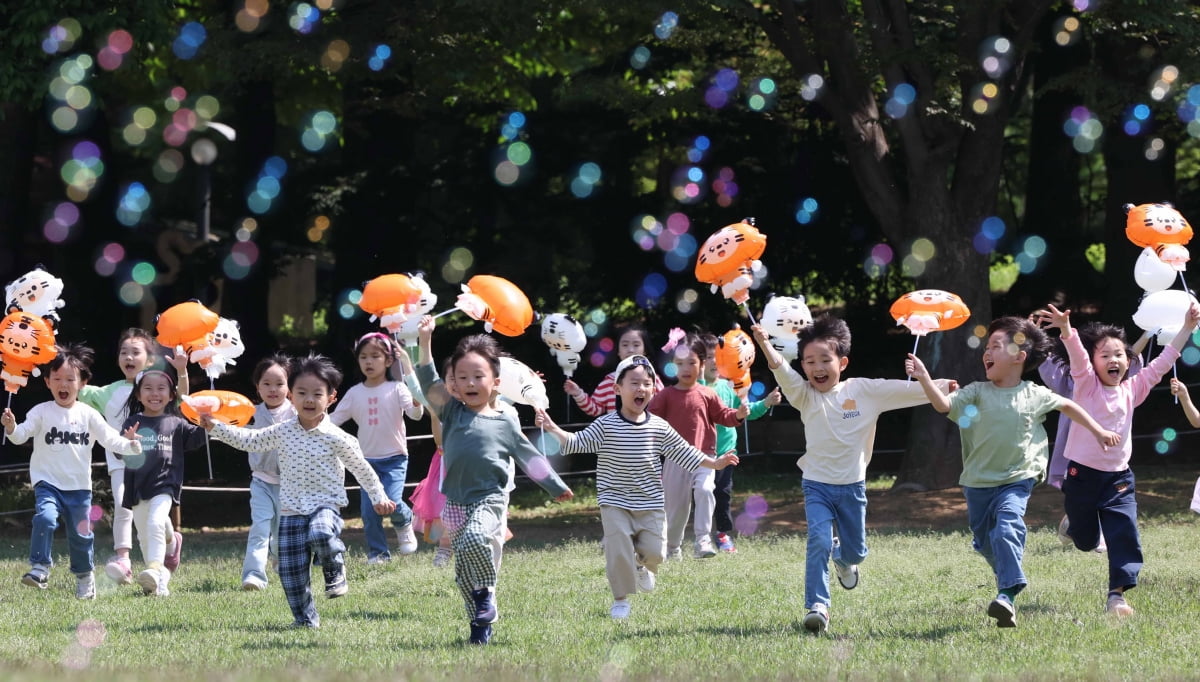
x,y
171,561
119,570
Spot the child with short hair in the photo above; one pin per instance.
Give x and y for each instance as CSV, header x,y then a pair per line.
x,y
137,351
314,454
378,406
1004,447
1099,491
477,442
632,340
727,438
630,445
692,409
154,479
839,417
60,467
270,377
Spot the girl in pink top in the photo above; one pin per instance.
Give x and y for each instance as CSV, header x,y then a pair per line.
x,y
1098,491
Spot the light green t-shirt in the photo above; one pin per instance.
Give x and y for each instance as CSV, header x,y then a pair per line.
x,y
1003,440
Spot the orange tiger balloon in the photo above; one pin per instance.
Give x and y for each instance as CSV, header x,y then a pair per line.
x,y
227,407
1162,228
26,341
735,355
729,258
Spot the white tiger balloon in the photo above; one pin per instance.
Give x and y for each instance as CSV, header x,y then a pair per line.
x,y
522,385
782,319
37,293
566,339
408,329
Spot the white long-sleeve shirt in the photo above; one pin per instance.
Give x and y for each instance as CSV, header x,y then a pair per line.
x,y
62,446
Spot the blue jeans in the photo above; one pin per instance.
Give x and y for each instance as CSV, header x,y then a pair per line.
x,y
391,471
1105,501
824,505
263,539
997,519
75,506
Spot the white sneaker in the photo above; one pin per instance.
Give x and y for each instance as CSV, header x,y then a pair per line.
x,y
620,609
846,575
1117,605
154,582
704,548
675,554
379,559
645,579
441,557
1063,527
253,584
407,539
85,586
816,620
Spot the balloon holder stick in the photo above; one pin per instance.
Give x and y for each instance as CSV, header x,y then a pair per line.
x,y
749,314
445,312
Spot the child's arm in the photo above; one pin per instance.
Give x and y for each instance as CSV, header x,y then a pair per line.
x,y
179,360
588,403
434,391
774,357
543,421
1080,416
351,455
1180,391
916,369
125,443
1143,340
10,425
536,465
760,407
1190,318
416,409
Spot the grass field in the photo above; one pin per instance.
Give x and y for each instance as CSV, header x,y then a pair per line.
x,y
918,614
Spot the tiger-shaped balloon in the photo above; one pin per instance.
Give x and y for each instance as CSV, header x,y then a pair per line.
x,y
26,341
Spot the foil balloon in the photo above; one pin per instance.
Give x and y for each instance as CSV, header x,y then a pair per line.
x,y
1162,228
496,302
227,407
566,339
36,292
929,310
520,384
224,346
1163,311
26,341
782,319
729,258
186,324
735,355
390,299
1150,273
425,303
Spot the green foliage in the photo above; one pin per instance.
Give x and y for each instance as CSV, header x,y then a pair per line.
x,y
1096,256
1002,273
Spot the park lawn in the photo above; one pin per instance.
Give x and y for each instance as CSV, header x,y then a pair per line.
x,y
917,614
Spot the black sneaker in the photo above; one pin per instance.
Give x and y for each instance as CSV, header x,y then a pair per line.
x,y
335,583
1003,610
35,578
485,607
481,633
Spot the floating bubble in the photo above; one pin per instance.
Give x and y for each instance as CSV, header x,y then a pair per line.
x,y
91,633
303,18
745,524
207,107
1162,82
191,36
597,359
806,210
640,57
810,88
1190,355
1066,31
275,167
715,97
667,23
995,56
606,344
726,79
756,506
233,269
61,37
538,468
380,55
84,527
335,55
1162,447
1154,148
992,227
520,153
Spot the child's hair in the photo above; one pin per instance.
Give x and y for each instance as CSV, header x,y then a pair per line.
x,y
267,363
1026,335
635,328
385,343
710,342
133,405
826,328
75,355
141,334
1092,333
695,343
480,344
318,366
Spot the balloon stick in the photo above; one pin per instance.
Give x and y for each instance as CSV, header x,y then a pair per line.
x,y
4,432
1175,374
749,314
1184,282
916,340
445,312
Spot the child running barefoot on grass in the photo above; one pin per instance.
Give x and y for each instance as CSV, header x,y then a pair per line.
x,y
1099,491
477,442
270,378
313,457
60,468
154,479
1004,447
839,426
630,445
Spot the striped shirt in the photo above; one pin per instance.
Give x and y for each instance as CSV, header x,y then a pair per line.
x,y
604,399
628,458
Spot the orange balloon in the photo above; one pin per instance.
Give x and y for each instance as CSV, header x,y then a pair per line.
x,y
735,355
186,324
929,310
227,407
389,297
728,258
1155,224
26,341
505,307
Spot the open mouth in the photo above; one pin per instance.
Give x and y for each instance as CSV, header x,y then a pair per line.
x,y
820,378
639,401
63,395
1114,372
988,365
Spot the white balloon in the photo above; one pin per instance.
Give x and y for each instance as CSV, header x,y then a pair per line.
x,y
1151,273
1164,311
522,385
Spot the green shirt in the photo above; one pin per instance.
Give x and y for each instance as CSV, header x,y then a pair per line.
x,y
1003,440
727,435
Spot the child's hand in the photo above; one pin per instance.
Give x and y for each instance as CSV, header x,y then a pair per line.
x,y
1040,317
743,410
572,389
1192,317
914,368
1059,318
384,508
206,420
178,360
1109,438
542,420
773,398
565,496
8,420
759,333
1179,389
425,327
951,386
131,432
728,459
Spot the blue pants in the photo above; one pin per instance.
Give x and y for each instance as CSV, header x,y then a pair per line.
x,y
75,507
263,539
1104,501
824,505
723,496
391,471
300,537
997,518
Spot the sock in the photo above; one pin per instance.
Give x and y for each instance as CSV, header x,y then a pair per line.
x,y
1010,592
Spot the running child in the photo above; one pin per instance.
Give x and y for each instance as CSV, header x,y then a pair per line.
x,y
633,340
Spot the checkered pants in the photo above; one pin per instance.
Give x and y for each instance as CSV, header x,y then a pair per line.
x,y
477,537
300,537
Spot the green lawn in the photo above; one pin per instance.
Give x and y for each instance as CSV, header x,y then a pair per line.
x,y
918,614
